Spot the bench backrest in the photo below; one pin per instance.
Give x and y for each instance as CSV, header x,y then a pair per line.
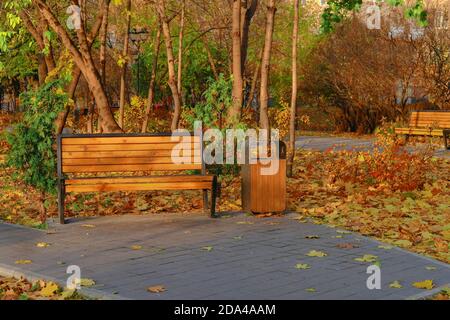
x,y
127,153
428,119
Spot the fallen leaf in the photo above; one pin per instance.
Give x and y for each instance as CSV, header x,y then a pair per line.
x,y
367,258
312,237
347,246
430,268
42,245
396,285
311,290
209,249
87,282
237,238
343,232
67,294
302,266
244,222
403,243
24,262
385,247
90,226
426,284
314,253
157,289
136,247
49,290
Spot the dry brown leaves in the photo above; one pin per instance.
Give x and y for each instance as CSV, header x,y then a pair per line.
x,y
21,289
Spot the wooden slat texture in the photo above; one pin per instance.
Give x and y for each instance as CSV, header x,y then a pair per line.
x,y
420,131
268,193
130,168
126,140
430,119
140,187
123,154
127,161
150,179
129,147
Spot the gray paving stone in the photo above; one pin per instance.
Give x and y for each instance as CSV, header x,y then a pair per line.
x,y
260,266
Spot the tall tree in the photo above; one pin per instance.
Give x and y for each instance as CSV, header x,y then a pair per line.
x,y
180,46
250,10
161,8
265,65
76,75
103,38
291,156
123,75
151,89
83,59
235,110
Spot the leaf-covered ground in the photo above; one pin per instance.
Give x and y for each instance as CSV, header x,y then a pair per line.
x,y
400,199
22,289
417,220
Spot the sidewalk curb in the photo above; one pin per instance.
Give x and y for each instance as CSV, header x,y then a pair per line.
x,y
428,293
17,273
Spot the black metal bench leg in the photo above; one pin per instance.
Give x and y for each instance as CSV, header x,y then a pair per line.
x,y
205,200
214,198
61,198
446,134
406,139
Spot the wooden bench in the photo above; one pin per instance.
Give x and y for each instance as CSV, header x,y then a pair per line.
x,y
428,123
111,158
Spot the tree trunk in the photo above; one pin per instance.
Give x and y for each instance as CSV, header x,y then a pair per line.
x,y
103,36
210,58
151,89
291,149
235,111
171,64
83,59
265,67
62,116
180,48
125,66
249,14
255,80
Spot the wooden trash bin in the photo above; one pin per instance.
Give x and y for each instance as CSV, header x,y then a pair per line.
x,y
264,193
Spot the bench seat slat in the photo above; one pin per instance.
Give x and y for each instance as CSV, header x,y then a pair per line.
x,y
140,186
130,168
128,161
164,147
149,179
127,140
420,131
122,154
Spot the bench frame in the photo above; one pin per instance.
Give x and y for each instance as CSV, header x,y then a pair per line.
x,y
61,186
426,131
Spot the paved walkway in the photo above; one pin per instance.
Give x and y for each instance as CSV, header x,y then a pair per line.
x,y
236,257
324,143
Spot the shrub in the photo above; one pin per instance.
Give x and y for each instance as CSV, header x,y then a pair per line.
x,y
32,140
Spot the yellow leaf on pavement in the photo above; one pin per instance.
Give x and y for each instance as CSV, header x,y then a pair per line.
x,y
314,253
426,284
157,289
87,282
42,245
396,285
